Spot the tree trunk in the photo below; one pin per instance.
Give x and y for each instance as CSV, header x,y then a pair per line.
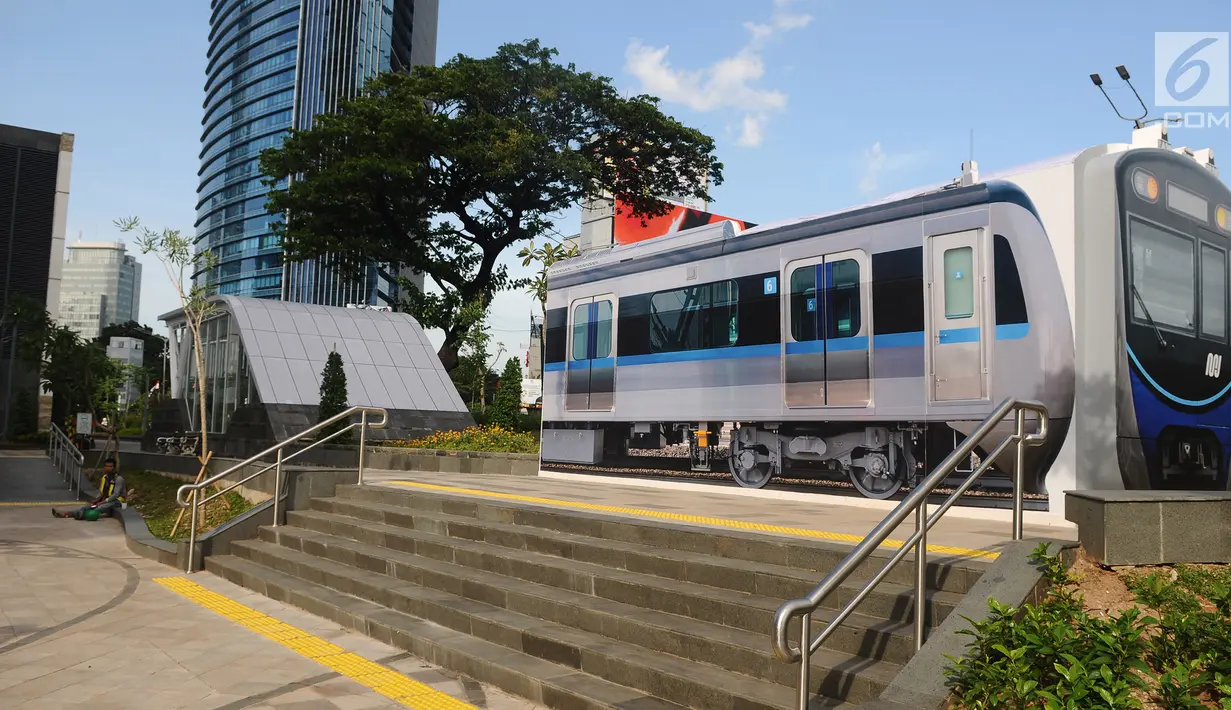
x,y
448,354
200,355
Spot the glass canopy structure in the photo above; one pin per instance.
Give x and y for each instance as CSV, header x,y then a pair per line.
x,y
268,355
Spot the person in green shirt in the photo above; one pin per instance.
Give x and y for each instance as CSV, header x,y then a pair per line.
x,y
112,491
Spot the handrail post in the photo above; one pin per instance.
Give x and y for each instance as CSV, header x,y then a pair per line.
x,y
805,659
1019,474
277,486
363,439
192,530
921,568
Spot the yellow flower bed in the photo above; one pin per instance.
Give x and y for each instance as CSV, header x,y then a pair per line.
x,y
476,438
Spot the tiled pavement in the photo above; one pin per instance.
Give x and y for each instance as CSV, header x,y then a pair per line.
x,y
83,625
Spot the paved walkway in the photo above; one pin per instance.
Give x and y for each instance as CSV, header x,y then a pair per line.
x,y
817,517
86,624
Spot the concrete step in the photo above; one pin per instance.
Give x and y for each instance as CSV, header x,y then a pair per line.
x,y
672,678
744,651
734,574
550,684
709,599
544,523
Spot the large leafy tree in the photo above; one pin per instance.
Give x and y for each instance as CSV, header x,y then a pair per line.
x,y
443,169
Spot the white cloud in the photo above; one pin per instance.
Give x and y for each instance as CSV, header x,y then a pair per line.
x,y
876,164
752,132
728,83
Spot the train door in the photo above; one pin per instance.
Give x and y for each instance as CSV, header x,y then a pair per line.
x,y
827,358
956,302
590,384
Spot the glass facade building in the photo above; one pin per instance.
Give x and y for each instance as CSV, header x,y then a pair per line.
x,y
273,65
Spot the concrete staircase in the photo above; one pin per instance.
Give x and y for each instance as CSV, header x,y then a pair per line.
x,y
577,610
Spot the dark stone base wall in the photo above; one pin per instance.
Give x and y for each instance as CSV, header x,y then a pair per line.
x,y
255,428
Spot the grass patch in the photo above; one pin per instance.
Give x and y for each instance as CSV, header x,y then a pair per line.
x,y
153,495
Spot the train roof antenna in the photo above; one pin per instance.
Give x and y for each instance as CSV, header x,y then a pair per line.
x,y
1138,122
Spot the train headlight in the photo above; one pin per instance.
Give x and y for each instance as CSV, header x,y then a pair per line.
x,y
1222,218
1146,185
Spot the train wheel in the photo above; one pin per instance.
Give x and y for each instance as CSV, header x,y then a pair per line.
x,y
748,472
874,479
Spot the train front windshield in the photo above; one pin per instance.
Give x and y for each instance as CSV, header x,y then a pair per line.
x,y
1175,244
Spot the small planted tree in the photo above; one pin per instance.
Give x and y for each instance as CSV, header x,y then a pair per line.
x,y
181,263
507,404
545,255
333,398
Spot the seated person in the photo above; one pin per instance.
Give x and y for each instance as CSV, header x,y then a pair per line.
x,y
112,489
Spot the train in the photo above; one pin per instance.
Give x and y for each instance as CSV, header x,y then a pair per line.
x,y
866,343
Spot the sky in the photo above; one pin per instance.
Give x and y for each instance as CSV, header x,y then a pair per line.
x,y
815,105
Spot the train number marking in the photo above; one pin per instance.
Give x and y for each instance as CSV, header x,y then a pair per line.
x,y
1213,365
771,285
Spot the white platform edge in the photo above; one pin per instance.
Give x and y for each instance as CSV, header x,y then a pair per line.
x,y
1005,515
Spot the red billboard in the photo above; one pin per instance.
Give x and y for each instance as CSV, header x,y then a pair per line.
x,y
628,228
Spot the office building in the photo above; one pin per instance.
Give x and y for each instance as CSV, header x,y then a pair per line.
x,y
34,180
273,65
131,353
101,287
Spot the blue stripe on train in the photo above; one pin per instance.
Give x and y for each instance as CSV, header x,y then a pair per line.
x,y
894,340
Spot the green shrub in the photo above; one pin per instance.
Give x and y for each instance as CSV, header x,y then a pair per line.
x,y
24,416
1054,655
333,399
494,439
506,408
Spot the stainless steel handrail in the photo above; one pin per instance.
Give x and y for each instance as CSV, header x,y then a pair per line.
x,y
195,488
65,456
915,501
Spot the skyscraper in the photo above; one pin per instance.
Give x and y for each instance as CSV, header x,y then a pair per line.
x,y
101,286
34,178
274,64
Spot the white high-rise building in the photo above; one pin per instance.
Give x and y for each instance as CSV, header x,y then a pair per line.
x,y
101,286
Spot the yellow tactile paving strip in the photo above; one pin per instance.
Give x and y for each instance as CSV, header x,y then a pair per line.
x,y
387,682
694,519
39,503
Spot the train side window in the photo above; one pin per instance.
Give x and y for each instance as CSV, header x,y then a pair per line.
x,y
581,331
959,286
897,291
724,314
674,319
1213,292
843,299
602,326
556,335
1010,298
803,304
694,318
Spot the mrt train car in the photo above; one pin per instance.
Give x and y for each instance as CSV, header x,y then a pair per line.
x,y
867,342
